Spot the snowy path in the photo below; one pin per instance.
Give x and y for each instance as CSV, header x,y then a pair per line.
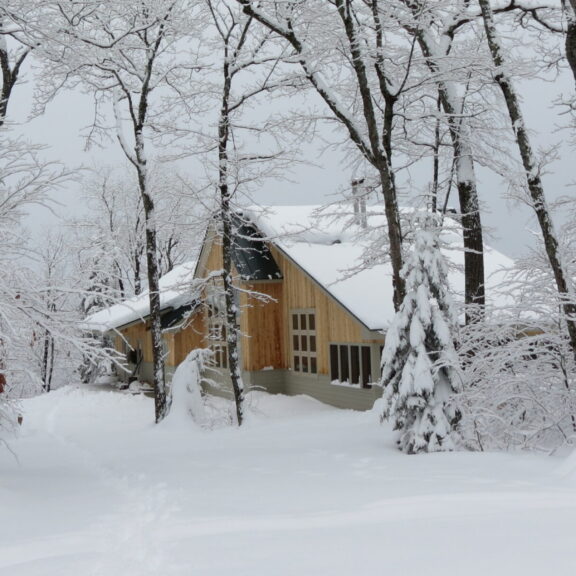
x,y
110,517
302,490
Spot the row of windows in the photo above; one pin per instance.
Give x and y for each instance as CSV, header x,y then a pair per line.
x,y
350,363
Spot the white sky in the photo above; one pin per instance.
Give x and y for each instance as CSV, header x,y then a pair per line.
x,y
60,130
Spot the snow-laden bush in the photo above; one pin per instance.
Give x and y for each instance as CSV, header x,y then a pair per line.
x,y
519,370
519,387
419,362
187,401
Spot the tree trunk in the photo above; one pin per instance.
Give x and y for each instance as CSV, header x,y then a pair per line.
x,y
474,289
161,393
45,372
232,323
137,275
380,147
9,75
531,170
571,37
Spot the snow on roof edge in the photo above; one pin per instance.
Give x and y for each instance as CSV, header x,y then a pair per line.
x,y
175,291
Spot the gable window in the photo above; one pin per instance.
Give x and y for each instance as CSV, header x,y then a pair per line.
x,y
351,363
303,336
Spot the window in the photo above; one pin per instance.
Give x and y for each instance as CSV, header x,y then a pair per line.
x,y
304,356
217,336
351,363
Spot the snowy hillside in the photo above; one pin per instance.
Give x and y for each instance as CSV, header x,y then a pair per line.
x,y
302,490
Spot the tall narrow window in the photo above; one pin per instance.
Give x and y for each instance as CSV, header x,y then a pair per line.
x,y
217,336
304,356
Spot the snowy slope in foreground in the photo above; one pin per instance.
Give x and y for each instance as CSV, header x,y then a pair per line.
x,y
302,490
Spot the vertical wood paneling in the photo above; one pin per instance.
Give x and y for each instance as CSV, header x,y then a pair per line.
x,y
139,333
214,260
190,338
261,326
333,322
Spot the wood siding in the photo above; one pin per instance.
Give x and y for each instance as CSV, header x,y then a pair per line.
x,y
262,343
261,324
333,322
213,260
191,337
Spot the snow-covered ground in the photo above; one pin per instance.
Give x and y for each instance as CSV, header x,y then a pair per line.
x,y
302,490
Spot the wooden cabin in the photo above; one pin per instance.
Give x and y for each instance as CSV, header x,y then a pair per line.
x,y
314,306
298,337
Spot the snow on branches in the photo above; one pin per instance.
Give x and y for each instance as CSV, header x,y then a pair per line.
x,y
419,362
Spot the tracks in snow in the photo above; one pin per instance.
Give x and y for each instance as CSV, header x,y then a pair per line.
x,y
125,538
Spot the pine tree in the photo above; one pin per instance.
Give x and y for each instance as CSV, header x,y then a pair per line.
x,y
419,360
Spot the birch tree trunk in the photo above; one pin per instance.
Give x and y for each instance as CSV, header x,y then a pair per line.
x,y
232,324
161,392
535,187
436,51
161,397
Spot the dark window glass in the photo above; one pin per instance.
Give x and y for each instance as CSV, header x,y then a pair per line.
x,y
294,321
304,363
366,365
295,343
312,343
333,362
354,364
313,368
297,363
311,322
344,370
304,343
224,357
302,321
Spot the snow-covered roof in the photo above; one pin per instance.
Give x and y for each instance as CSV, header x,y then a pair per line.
x,y
330,246
175,291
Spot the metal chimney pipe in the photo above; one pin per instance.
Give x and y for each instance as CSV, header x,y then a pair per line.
x,y
359,202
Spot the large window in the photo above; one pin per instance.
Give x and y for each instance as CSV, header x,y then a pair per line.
x,y
217,335
303,333
351,363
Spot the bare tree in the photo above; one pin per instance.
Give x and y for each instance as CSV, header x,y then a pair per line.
x,y
248,51
232,49
126,52
366,109
532,172
434,27
10,62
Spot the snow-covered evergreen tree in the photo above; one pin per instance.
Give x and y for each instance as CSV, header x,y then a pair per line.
x,y
419,361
